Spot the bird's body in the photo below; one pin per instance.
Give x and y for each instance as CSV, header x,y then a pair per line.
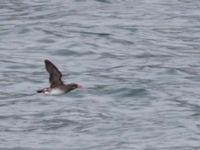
x,y
57,87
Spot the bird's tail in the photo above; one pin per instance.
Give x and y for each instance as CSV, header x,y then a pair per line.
x,y
39,91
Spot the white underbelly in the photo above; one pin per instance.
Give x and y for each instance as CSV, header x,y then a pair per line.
x,y
54,92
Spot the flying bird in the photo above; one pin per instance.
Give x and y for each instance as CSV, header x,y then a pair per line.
x,y
57,87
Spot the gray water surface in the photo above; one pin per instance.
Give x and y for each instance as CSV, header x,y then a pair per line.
x,y
137,60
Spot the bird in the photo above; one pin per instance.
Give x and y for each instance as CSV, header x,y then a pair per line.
x,y
57,86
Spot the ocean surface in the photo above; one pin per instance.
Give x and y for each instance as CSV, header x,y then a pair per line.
x,y
138,62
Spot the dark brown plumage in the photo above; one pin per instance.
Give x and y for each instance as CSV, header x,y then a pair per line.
x,y
54,74
57,86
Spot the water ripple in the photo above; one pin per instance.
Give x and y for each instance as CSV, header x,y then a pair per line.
x,y
138,63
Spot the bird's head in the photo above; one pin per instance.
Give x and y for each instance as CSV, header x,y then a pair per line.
x,y
73,86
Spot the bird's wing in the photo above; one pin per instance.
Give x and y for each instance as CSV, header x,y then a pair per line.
x,y
54,74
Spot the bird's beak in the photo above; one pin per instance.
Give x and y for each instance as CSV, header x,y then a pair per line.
x,y
79,86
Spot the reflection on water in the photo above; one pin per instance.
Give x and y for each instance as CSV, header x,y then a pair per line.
x,y
138,62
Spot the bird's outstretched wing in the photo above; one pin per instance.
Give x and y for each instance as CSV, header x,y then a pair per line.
x,y
54,74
